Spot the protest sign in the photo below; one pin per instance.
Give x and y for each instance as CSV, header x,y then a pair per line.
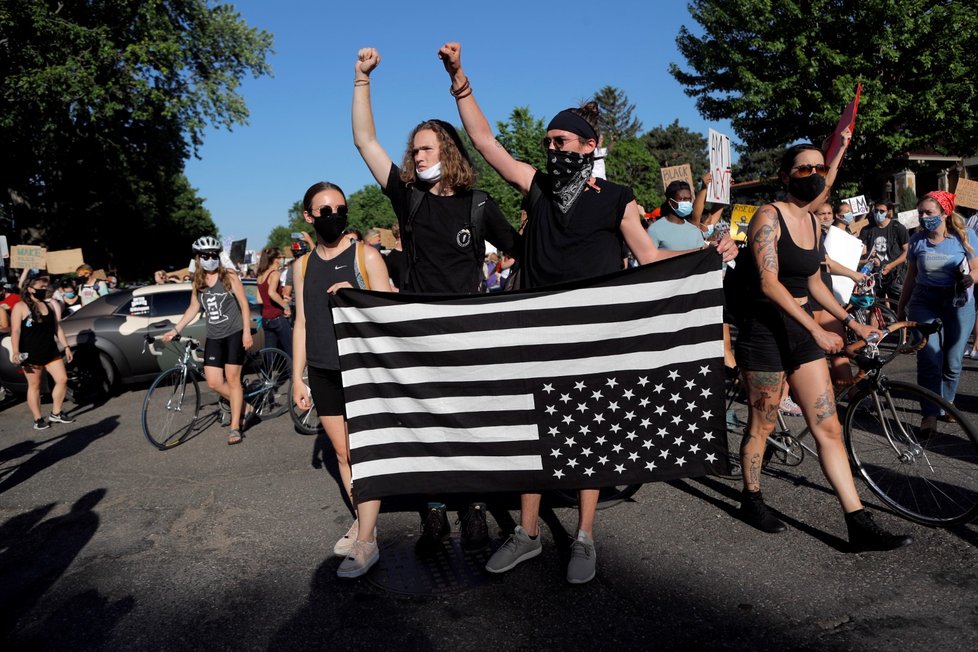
x,y
27,256
848,119
844,249
966,193
677,173
909,219
4,249
237,251
719,190
739,219
64,261
858,205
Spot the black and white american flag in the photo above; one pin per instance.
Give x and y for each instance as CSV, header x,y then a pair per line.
x,y
610,381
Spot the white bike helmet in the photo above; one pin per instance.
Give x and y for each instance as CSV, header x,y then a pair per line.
x,y
206,243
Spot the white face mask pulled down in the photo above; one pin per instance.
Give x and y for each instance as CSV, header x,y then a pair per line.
x,y
431,175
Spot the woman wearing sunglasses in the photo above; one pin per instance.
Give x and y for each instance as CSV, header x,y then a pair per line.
x,y
575,226
219,293
336,262
779,339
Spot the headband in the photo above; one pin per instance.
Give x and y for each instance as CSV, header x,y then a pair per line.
x,y
567,120
944,198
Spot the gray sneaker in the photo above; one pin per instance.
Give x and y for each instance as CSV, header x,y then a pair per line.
x,y
517,548
582,564
358,561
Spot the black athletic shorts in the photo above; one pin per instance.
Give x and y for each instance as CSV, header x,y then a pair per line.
x,y
770,340
326,387
224,350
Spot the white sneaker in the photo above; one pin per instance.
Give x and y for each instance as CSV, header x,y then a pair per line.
x,y
362,557
345,543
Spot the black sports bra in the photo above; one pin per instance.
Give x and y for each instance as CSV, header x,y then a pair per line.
x,y
796,265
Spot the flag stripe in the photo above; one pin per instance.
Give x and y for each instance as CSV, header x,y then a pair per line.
x,y
418,420
381,436
616,290
400,465
535,369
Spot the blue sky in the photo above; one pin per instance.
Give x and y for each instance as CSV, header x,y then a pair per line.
x,y
545,55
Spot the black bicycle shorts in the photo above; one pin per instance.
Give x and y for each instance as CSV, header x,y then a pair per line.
x,y
225,350
770,340
326,387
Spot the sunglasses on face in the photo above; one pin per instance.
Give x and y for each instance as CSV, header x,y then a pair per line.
x,y
327,211
559,141
209,255
802,171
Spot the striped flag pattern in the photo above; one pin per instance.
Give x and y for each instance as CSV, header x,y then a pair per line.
x,y
613,380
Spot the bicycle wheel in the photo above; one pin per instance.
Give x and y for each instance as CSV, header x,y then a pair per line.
x,y
170,408
924,468
306,421
266,385
608,496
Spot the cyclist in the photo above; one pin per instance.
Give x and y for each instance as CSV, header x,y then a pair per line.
x,y
334,264
779,338
35,330
219,293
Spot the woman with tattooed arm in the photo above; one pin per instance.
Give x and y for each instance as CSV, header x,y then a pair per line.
x,y
779,339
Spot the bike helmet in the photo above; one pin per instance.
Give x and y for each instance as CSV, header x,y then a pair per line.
x,y
862,301
206,243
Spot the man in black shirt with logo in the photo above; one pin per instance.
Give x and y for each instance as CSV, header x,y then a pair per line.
x,y
886,240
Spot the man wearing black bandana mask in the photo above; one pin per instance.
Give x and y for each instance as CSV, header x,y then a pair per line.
x,y
576,225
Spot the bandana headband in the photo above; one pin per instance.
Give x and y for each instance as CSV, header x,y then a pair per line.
x,y
567,120
944,198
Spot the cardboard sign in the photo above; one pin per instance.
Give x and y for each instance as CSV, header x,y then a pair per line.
x,y
858,205
719,190
677,172
844,249
65,261
27,256
739,219
909,219
966,193
848,119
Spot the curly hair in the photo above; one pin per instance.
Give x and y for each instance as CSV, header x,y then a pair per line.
x,y
457,171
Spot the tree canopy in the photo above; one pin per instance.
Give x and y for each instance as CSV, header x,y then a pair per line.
x,y
783,70
101,103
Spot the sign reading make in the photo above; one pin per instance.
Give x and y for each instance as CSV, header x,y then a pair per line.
x,y
27,257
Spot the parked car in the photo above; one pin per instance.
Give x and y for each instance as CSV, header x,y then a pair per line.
x,y
107,336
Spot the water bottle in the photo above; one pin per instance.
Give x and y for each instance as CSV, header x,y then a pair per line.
x,y
22,356
960,289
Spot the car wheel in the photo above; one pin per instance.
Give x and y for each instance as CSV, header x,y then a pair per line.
x,y
91,378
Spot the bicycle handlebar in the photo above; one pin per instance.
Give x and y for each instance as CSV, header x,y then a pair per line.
x,y
150,341
925,328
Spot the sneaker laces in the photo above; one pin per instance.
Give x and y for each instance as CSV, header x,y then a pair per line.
x,y
871,526
432,521
580,549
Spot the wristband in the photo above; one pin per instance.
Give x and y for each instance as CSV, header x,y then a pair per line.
x,y
845,322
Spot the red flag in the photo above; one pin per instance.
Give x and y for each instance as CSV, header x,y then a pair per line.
x,y
848,119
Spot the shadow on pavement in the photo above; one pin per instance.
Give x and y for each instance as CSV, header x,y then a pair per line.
x,y
34,554
64,446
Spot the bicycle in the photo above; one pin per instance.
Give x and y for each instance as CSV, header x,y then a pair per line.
x,y
867,307
915,451
172,404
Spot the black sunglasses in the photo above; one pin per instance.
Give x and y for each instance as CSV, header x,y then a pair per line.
x,y
559,141
807,170
209,255
326,211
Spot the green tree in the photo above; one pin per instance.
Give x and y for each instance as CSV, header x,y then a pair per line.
x,y
631,164
781,71
615,117
369,207
756,165
676,145
280,236
101,102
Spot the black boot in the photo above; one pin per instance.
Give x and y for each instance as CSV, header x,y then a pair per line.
x,y
434,529
754,512
474,532
865,534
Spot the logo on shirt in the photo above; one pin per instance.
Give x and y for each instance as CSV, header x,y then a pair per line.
x,y
464,237
214,304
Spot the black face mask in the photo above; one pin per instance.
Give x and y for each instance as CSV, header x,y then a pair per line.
x,y
568,172
329,229
806,188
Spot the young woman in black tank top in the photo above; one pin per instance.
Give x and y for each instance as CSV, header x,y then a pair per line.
x,y
781,339
324,271
35,330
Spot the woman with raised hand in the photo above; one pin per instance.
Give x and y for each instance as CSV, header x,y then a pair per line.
x,y
575,226
779,338
336,262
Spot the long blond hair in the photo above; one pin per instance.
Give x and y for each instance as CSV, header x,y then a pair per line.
x,y
200,277
457,171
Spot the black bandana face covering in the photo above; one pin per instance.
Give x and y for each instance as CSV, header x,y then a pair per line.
x,y
568,172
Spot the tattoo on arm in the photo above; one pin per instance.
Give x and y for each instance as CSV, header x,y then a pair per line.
x,y
764,239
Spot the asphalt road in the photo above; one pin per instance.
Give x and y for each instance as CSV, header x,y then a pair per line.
x,y
107,543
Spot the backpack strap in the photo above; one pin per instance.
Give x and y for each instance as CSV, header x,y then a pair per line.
x,y
305,263
477,220
362,266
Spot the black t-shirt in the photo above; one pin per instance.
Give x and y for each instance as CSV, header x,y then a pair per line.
x,y
396,266
583,243
442,256
886,243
